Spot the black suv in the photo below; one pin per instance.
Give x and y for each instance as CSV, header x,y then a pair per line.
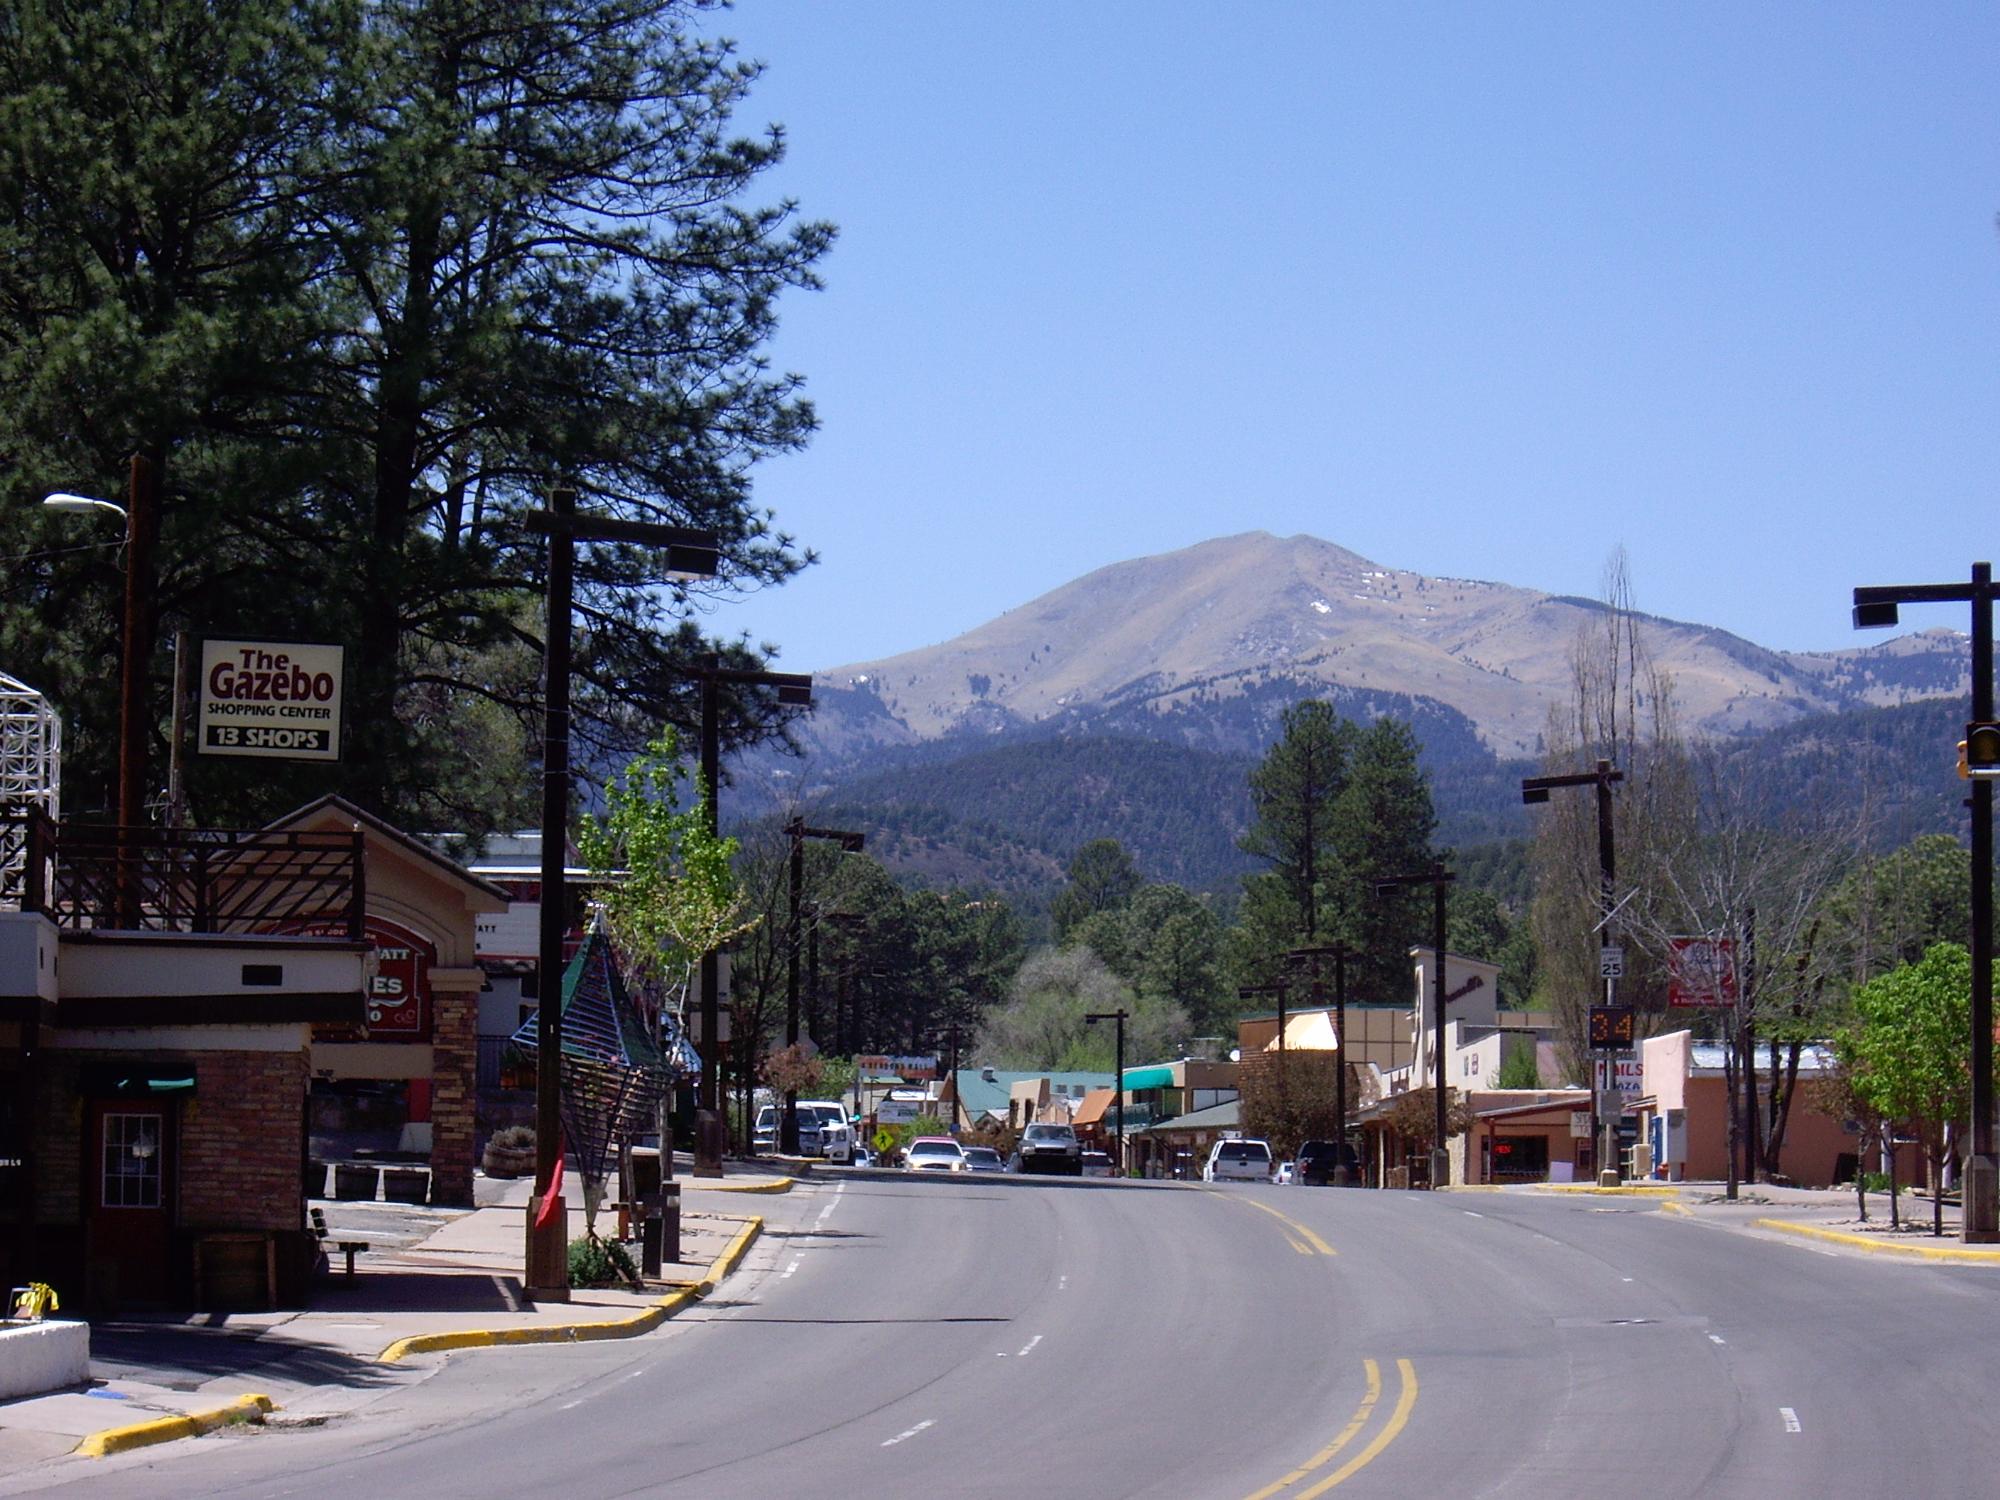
x,y
1317,1159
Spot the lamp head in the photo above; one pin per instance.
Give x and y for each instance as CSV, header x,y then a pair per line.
x,y
1875,616
77,504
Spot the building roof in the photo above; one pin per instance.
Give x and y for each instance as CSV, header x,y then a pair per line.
x,y
1308,1031
483,894
1814,1057
1215,1117
1096,1105
979,1095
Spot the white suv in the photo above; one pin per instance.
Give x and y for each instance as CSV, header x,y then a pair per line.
x,y
1238,1161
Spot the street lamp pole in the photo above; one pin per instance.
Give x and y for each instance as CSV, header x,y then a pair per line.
x,y
1117,1018
1536,789
688,553
797,831
1877,607
1437,878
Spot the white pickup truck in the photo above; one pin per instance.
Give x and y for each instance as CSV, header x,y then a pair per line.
x,y
1238,1161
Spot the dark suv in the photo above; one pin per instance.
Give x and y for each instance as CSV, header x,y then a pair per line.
x,y
1317,1159
1050,1148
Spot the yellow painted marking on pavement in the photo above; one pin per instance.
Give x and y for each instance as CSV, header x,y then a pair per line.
x,y
1397,1418
1361,1415
1310,1238
1681,1210
1302,1249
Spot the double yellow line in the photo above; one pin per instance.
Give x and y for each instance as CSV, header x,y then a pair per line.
x,y
1312,1242
1406,1398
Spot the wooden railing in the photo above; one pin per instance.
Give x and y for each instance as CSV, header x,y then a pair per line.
x,y
182,879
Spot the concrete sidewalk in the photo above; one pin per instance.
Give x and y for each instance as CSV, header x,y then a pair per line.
x,y
448,1280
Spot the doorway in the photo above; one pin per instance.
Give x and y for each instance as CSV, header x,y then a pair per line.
x,y
129,1193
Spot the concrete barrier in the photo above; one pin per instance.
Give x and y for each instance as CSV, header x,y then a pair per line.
x,y
39,1357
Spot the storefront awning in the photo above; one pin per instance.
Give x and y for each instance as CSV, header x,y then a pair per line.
x,y
1161,1077
109,1081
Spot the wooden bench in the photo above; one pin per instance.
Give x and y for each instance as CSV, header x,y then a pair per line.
x,y
349,1248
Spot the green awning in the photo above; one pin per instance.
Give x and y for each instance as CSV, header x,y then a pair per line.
x,y
100,1081
1161,1077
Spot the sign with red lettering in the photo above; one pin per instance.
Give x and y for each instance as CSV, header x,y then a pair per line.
x,y
399,996
277,700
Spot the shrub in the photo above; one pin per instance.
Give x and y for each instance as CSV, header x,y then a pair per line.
x,y
599,1262
513,1138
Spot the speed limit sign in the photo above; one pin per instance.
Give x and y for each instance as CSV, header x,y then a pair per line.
x,y
1610,963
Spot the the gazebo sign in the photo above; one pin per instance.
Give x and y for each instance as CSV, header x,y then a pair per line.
x,y
278,700
1701,971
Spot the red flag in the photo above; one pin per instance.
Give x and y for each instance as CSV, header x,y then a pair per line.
x,y
549,1199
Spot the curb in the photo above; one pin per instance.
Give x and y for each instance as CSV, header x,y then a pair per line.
x,y
1624,1190
774,1185
167,1429
1961,1256
581,1333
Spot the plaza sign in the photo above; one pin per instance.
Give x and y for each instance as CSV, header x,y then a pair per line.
x,y
277,700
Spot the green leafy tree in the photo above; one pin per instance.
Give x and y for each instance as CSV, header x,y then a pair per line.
x,y
1907,1048
669,893
1386,827
1042,1026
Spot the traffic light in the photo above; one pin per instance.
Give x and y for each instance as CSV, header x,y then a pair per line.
x,y
1979,751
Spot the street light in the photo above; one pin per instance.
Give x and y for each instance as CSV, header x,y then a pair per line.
x,y
141,516
1117,1018
687,553
1876,607
797,831
1535,789
1437,878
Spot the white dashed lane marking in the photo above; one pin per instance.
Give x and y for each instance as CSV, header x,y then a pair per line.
x,y
903,1437
1791,1418
1030,1346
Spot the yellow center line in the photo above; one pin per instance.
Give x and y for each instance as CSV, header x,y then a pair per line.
x,y
1401,1415
1361,1415
1312,1239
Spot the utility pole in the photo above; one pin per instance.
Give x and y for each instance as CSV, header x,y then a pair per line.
x,y
1611,961
1117,1018
793,689
1340,953
1437,877
1877,607
688,554
797,831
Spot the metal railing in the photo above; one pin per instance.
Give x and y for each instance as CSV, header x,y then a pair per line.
x,y
206,880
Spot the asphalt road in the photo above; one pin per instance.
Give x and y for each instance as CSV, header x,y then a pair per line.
x,y
903,1337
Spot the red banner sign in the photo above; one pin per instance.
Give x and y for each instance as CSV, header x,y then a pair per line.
x,y
1701,971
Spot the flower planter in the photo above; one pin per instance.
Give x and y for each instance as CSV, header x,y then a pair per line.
x,y
503,1161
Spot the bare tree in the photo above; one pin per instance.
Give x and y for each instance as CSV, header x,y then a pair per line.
x,y
1731,872
1621,709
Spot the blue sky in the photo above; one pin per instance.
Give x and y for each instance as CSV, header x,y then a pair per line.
x,y
1477,290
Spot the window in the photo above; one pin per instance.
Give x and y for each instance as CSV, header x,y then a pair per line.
x,y
131,1161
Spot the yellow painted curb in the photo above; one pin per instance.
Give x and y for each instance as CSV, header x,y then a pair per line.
x,y
167,1429
1954,1256
582,1333
1677,1208
1623,1190
771,1185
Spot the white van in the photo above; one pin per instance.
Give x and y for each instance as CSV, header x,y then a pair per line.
x,y
1238,1161
817,1118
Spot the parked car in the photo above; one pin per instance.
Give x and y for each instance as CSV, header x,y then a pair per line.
x,y
935,1153
1282,1174
983,1159
1096,1164
1238,1161
1317,1159
1051,1148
